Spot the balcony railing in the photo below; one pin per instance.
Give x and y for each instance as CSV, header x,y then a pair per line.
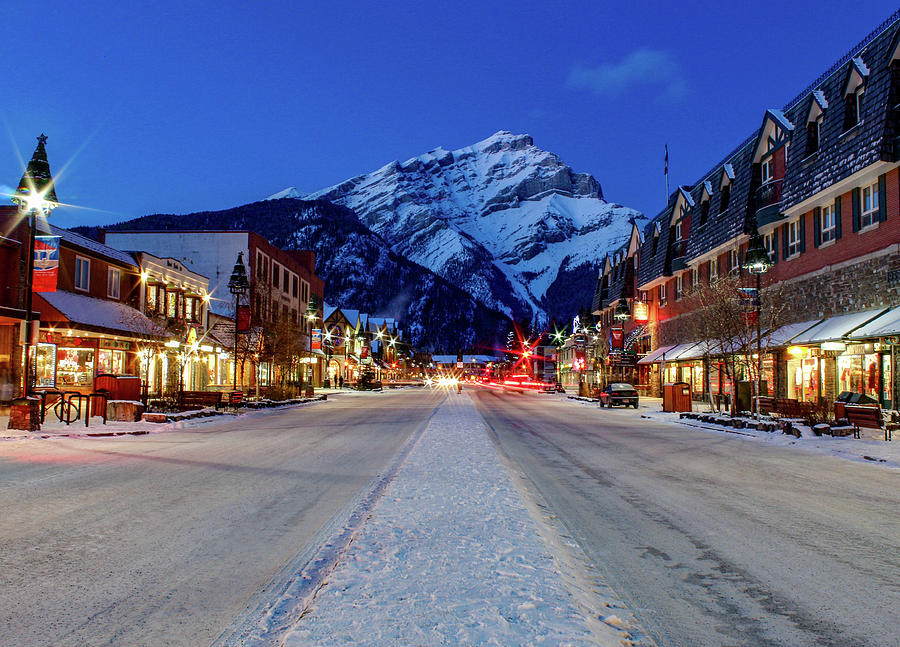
x,y
768,202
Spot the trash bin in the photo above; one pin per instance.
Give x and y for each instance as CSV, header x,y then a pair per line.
x,y
119,387
677,396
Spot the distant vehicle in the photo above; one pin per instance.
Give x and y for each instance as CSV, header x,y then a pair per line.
x,y
619,393
553,388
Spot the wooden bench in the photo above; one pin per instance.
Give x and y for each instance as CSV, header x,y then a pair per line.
x,y
790,408
188,400
869,418
235,398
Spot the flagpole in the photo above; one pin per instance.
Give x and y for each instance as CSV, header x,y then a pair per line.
x,y
667,174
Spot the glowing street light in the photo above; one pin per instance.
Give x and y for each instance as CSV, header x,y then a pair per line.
x,y
35,196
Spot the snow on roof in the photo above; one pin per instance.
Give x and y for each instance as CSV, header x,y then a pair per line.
x,y
707,185
860,66
655,355
729,170
819,97
785,334
102,313
92,245
781,118
883,326
328,311
836,327
687,196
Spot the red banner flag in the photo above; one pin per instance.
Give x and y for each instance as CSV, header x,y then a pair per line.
x,y
46,263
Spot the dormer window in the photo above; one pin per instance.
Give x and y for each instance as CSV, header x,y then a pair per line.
x,y
853,93
724,198
817,108
678,231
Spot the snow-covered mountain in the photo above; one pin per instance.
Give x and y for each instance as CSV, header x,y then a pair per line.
x,y
507,222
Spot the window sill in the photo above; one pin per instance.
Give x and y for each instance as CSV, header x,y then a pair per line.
x,y
792,256
868,228
828,243
850,131
80,289
809,159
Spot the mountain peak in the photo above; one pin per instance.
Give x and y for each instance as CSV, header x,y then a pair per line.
x,y
504,140
290,192
502,219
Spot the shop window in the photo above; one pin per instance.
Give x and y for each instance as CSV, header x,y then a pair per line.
x,y
82,273
735,264
662,294
827,224
679,286
713,270
171,304
858,373
869,205
74,366
695,278
111,361
113,282
45,365
189,304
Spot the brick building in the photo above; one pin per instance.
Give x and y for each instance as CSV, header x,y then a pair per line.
x,y
283,284
819,179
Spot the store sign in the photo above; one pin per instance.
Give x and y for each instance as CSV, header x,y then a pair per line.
x,y
316,340
617,339
46,263
641,312
364,352
114,344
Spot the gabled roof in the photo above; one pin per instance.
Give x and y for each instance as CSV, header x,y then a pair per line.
x,y
87,244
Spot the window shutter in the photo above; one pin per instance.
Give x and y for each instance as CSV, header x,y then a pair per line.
x,y
882,198
775,245
802,233
837,217
854,196
784,241
817,226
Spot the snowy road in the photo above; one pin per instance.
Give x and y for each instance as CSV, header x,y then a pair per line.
x,y
713,540
166,539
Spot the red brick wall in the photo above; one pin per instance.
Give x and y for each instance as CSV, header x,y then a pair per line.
x,y
851,244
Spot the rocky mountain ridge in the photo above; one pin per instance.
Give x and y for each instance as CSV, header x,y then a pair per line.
x,y
504,220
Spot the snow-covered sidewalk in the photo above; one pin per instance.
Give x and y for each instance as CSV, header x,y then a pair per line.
x,y
451,555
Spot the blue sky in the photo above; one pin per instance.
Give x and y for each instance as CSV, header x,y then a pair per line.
x,y
151,108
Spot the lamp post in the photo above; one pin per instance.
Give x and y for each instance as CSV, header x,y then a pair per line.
x,y
238,286
622,314
757,262
35,196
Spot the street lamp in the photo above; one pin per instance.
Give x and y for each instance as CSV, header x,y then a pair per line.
x,y
35,196
757,262
623,312
238,286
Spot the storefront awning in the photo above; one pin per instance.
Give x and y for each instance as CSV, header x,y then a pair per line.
x,y
696,351
783,336
835,328
654,355
680,351
886,325
317,351
95,314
